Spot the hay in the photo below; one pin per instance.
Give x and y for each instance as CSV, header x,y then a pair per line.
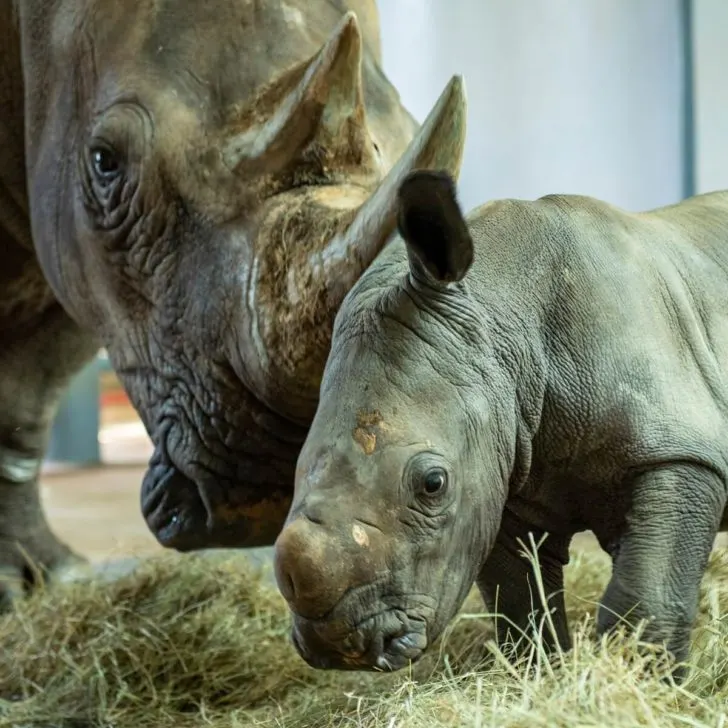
x,y
189,641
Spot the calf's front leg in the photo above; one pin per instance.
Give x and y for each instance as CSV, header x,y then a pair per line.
x,y
509,587
660,557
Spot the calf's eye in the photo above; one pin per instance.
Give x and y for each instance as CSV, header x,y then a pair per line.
x,y
434,481
427,477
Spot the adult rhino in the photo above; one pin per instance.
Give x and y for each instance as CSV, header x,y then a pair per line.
x,y
537,367
194,186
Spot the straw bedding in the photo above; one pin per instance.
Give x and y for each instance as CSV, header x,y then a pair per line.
x,y
187,641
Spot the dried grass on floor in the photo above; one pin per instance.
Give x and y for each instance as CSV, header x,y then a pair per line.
x,y
186,641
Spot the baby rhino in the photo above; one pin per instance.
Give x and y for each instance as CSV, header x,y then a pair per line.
x,y
539,367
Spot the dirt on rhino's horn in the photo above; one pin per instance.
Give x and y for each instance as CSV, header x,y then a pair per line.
x,y
316,288
438,144
326,106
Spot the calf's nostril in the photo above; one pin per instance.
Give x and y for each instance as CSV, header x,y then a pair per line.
x,y
315,566
284,567
285,578
309,576
290,584
315,519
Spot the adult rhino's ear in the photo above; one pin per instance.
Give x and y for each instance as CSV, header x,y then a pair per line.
x,y
432,224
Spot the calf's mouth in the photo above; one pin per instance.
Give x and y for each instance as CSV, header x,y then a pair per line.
x,y
363,632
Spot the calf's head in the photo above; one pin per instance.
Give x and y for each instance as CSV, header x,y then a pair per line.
x,y
401,483
207,180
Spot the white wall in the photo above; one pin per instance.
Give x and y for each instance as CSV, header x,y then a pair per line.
x,y
564,96
710,80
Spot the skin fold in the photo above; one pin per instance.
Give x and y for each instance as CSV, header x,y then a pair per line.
x,y
194,186
537,368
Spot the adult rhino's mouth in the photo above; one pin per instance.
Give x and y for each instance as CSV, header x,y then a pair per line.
x,y
173,507
203,512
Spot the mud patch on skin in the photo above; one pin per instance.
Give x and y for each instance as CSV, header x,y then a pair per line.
x,y
263,519
367,441
294,319
368,426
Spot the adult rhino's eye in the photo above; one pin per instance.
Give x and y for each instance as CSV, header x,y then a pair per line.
x,y
434,481
105,164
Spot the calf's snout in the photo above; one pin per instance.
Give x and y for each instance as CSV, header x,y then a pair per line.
x,y
317,563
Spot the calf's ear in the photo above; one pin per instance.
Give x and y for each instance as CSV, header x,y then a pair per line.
x,y
432,224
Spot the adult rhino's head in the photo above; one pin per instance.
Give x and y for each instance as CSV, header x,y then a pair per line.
x,y
207,181
402,481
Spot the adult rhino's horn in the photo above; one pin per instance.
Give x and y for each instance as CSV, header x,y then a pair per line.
x,y
438,144
326,104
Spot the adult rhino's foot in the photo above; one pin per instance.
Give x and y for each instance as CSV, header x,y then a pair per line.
x,y
30,553
29,558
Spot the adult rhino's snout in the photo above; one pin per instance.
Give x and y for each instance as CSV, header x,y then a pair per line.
x,y
316,563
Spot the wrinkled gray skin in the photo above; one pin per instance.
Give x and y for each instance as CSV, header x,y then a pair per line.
x,y
195,186
552,366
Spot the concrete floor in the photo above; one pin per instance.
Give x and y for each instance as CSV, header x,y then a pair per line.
x,y
96,511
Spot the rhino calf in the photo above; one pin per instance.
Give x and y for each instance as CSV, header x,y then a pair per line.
x,y
543,367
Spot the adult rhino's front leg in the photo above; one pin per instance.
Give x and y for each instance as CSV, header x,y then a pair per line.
x,y
510,587
660,558
36,363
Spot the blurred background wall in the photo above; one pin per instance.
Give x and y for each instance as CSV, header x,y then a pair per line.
x,y
625,100
563,96
710,99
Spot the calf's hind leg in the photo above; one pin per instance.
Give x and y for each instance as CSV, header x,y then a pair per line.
x,y
660,557
36,364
